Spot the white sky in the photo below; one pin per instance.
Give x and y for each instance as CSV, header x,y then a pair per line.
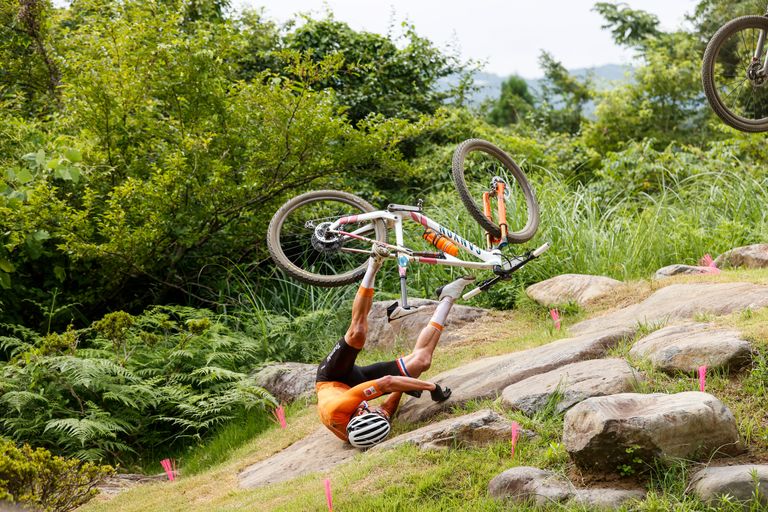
x,y
506,35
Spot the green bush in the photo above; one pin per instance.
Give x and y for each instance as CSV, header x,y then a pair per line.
x,y
36,478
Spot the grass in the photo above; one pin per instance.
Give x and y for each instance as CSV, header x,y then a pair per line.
x,y
408,479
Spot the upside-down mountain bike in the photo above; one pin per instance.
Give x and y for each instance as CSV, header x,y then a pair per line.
x,y
735,73
325,237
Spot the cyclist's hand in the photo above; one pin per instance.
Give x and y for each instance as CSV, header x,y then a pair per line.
x,y
440,394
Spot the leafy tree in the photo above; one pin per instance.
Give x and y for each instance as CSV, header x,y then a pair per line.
x,y
562,97
514,102
629,27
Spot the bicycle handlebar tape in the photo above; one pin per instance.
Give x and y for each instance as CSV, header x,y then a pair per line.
x,y
440,394
538,252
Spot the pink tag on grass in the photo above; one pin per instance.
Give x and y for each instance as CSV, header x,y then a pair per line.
x,y
707,261
702,377
515,435
328,497
279,414
555,314
170,468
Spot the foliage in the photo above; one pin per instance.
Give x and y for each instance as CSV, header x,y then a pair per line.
x,y
48,483
629,27
514,102
562,97
128,385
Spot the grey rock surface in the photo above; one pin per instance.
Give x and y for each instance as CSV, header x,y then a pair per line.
x,y
573,383
525,483
122,482
736,481
319,451
405,330
679,269
476,429
685,347
579,288
288,381
606,498
605,433
487,377
749,256
679,302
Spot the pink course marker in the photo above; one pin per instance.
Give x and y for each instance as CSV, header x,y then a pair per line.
x,y
702,377
555,314
279,414
707,261
328,497
515,435
169,466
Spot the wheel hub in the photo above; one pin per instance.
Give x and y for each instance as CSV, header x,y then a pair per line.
x,y
324,241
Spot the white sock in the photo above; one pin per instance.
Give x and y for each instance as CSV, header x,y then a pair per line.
x,y
441,312
370,274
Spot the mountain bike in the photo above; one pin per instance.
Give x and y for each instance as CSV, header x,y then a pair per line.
x,y
735,72
325,237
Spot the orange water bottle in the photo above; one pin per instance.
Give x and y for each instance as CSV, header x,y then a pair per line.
x,y
441,242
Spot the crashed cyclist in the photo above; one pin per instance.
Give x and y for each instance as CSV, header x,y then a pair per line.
x,y
343,388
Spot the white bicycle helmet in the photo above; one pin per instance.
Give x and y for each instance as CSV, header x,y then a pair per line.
x,y
367,430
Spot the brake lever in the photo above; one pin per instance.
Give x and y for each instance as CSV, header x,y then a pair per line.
x,y
507,274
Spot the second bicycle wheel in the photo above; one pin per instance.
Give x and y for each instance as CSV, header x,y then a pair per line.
x,y
329,260
734,82
476,164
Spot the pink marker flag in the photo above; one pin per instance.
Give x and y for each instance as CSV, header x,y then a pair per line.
x,y
555,314
707,261
702,377
279,414
170,468
328,497
515,435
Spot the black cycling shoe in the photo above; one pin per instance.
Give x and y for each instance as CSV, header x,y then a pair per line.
x,y
440,394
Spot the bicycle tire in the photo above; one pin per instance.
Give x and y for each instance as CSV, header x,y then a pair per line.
x,y
475,210
708,80
278,255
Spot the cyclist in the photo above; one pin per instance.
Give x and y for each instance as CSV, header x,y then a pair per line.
x,y
343,388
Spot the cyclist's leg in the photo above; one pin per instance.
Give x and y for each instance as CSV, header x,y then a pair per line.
x,y
420,359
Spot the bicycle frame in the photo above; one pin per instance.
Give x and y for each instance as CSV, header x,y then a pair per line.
x,y
489,260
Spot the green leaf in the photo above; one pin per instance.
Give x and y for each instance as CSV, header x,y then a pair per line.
x,y
53,163
63,174
5,280
59,273
29,157
73,155
6,266
74,173
41,235
23,176
40,157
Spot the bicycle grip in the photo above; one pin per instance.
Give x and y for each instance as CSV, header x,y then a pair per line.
x,y
538,252
471,293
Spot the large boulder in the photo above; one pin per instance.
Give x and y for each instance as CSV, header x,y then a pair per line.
x,y
679,302
528,484
565,288
288,381
406,329
319,451
739,482
487,377
679,269
629,430
749,256
685,347
476,429
571,383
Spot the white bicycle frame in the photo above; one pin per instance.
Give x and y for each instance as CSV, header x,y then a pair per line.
x,y
489,260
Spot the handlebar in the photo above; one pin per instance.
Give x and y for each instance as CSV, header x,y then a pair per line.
x,y
485,285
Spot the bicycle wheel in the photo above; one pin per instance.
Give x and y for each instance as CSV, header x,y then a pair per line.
x,y
735,85
330,260
476,163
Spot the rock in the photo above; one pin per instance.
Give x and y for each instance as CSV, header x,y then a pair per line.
x,y
679,302
487,377
384,334
114,485
674,270
749,256
579,288
686,347
319,451
630,429
524,483
476,429
288,381
609,499
737,481
574,382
